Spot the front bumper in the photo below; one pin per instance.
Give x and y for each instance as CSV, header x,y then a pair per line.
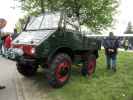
x,y
22,60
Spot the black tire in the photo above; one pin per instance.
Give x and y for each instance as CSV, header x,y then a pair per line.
x,y
89,66
59,70
26,69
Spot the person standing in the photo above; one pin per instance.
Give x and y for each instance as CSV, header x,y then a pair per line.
x,y
0,43
1,86
126,44
111,45
2,25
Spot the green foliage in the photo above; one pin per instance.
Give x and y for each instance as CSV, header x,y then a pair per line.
x,y
95,14
21,23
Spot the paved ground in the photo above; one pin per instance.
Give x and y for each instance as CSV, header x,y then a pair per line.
x,y
35,88
7,78
19,87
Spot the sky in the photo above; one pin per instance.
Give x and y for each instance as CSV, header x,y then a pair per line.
x,y
10,11
124,15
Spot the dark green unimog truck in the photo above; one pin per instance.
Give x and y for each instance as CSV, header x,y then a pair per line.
x,y
54,41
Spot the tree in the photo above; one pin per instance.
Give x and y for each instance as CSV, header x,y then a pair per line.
x,y
21,23
129,29
95,14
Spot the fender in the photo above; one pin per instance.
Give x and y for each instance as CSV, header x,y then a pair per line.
x,y
64,49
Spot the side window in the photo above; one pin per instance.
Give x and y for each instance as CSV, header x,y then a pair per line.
x,y
68,26
50,21
72,23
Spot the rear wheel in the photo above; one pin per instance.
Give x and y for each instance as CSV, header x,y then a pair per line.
x,y
89,65
26,69
59,70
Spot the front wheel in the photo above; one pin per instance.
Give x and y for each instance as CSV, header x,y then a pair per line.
x,y
26,69
59,70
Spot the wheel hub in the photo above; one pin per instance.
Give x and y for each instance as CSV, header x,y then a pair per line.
x,y
91,66
62,70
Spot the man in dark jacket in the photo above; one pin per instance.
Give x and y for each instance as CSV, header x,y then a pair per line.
x,y
111,45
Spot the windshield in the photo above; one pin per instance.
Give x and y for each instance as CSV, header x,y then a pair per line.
x,y
46,21
34,23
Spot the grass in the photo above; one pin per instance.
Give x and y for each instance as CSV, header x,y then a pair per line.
x,y
103,85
